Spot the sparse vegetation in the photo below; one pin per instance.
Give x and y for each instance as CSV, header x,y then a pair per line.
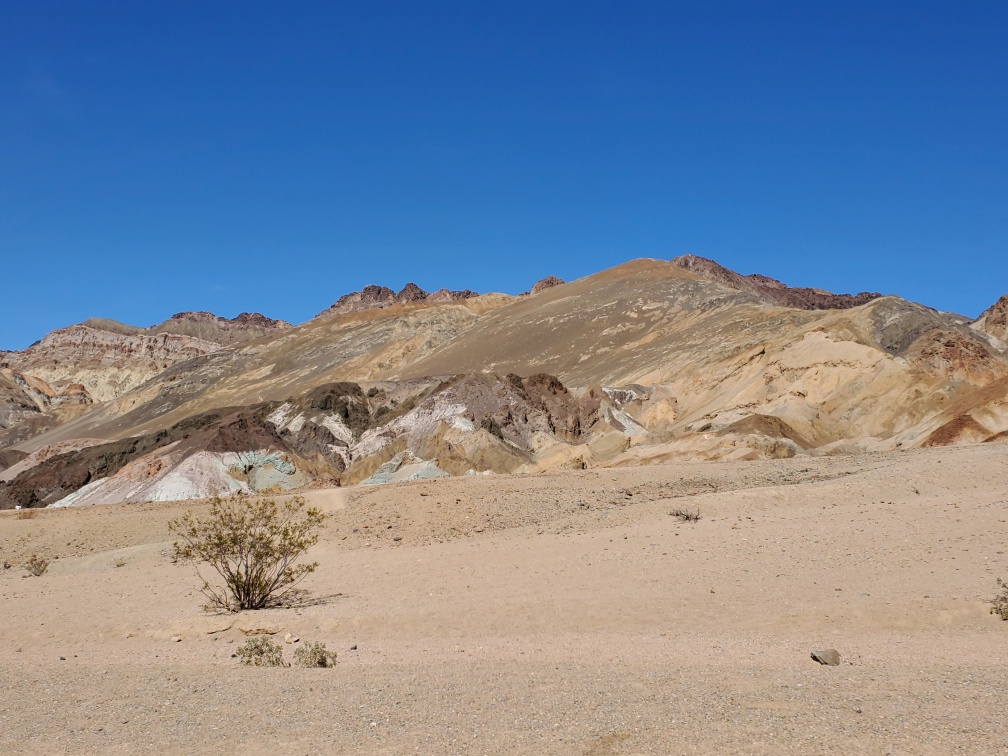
x,y
314,655
686,515
37,565
119,562
253,545
999,605
25,514
260,652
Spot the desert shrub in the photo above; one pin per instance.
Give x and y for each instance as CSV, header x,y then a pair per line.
x,y
25,514
37,565
252,544
999,605
686,515
260,652
314,655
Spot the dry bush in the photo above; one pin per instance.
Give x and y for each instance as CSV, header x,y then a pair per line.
x,y
25,514
260,652
37,565
999,605
252,544
314,655
686,515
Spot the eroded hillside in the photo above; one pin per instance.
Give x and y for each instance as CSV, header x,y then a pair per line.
x,y
648,361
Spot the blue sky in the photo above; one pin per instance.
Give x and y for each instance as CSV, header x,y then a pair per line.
x,y
159,157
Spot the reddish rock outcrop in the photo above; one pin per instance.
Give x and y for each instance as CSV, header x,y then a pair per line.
x,y
546,283
373,297
770,289
963,429
957,356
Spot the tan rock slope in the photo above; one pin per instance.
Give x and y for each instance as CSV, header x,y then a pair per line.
x,y
649,361
110,358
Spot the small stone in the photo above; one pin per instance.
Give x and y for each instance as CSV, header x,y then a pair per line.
x,y
291,638
62,658
827,656
353,647
176,639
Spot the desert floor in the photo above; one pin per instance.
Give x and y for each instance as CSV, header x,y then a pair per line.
x,y
566,613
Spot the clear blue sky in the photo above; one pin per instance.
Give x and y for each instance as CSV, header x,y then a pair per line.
x,y
158,157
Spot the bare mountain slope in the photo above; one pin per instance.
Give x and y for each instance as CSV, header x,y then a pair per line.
x,y
359,346
873,371
110,358
647,361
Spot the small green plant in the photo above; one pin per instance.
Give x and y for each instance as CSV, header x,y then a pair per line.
x,y
37,565
314,655
686,515
253,545
999,605
260,652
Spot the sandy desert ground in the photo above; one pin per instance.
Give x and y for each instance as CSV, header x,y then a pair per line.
x,y
563,613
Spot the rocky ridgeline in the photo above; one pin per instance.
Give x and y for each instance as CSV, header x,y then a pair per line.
x,y
771,290
223,331
373,297
106,358
654,374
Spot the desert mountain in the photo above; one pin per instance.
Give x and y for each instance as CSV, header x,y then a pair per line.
x,y
110,358
213,328
648,361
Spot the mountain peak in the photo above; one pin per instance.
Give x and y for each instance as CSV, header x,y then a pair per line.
x,y
546,283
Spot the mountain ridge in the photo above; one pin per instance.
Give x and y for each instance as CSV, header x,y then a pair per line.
x,y
650,360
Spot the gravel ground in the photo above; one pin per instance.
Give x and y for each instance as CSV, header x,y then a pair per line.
x,y
567,613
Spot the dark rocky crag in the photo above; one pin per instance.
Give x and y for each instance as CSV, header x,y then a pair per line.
x,y
771,290
374,297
